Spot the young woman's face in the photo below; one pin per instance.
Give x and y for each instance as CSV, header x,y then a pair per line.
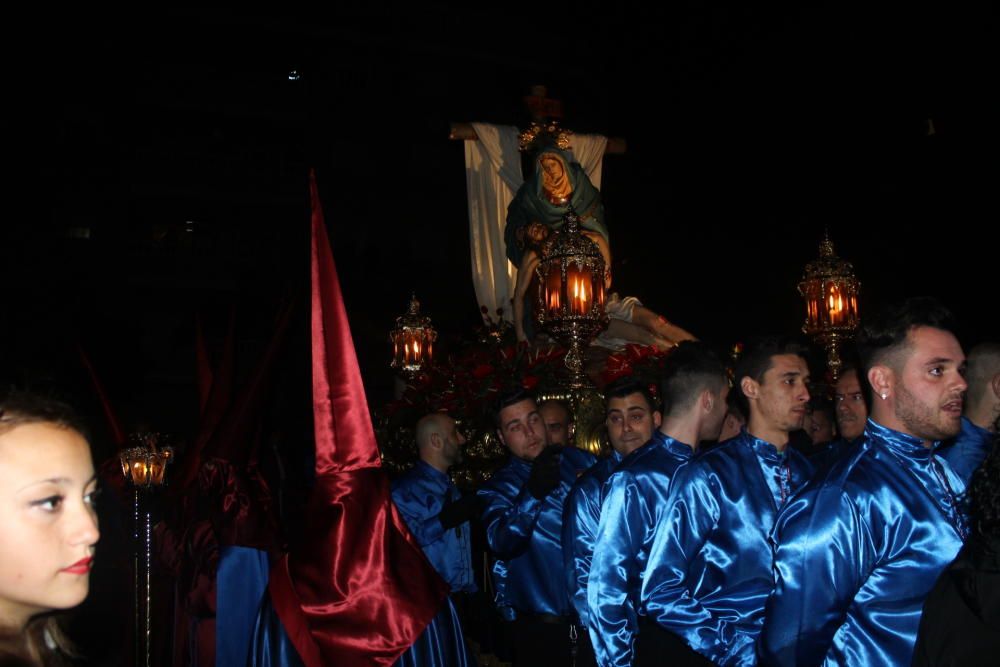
x,y
48,526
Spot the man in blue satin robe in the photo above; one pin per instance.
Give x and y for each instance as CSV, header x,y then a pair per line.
x,y
709,569
438,516
523,516
982,411
631,416
860,547
694,389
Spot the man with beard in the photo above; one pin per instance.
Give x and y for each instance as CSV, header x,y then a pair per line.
x,y
558,421
860,547
438,516
708,573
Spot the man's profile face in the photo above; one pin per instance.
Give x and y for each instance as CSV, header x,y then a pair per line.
x,y
522,430
453,441
556,419
930,387
849,403
782,394
630,422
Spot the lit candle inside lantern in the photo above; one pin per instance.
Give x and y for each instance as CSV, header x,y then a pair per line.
x,y
835,304
580,293
156,469
140,472
553,290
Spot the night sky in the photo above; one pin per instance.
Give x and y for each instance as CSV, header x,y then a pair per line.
x,y
160,164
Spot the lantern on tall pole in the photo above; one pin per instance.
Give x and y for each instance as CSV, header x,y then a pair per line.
x,y
830,290
412,340
571,299
144,465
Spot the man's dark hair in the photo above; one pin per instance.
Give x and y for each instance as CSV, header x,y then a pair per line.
x,y
561,403
735,405
20,407
506,399
626,386
690,369
758,359
983,364
883,339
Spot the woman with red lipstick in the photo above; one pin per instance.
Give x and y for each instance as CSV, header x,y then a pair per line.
x,y
48,526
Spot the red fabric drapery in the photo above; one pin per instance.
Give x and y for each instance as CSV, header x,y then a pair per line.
x,y
360,591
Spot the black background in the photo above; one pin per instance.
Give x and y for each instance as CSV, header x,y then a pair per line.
x,y
749,130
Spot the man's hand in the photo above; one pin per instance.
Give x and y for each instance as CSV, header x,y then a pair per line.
x,y
544,475
457,512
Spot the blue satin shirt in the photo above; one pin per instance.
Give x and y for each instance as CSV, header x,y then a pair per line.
x,y
580,519
857,552
525,535
968,450
709,570
419,496
634,509
833,452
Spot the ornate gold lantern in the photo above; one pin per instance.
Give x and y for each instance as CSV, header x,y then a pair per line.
x,y
146,464
830,290
571,293
412,340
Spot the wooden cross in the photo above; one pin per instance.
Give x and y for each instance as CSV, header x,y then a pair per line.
x,y
542,108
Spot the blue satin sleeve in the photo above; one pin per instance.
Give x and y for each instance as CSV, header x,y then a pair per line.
x,y
509,522
420,511
615,572
420,496
632,513
580,520
692,514
857,551
525,535
824,555
969,449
